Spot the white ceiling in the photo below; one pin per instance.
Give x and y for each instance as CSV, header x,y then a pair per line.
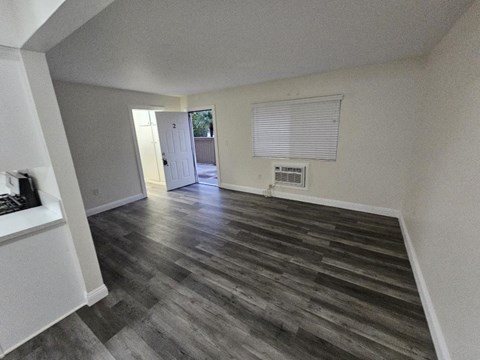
x,y
185,47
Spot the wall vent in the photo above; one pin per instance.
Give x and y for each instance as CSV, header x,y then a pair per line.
x,y
289,175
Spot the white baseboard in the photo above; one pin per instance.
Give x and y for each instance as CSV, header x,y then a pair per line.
x,y
246,189
338,203
92,297
96,295
317,200
433,324
114,204
40,331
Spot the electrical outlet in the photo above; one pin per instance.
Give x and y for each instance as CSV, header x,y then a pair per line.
x,y
96,192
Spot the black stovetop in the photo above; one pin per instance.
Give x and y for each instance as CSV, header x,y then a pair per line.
x,y
11,203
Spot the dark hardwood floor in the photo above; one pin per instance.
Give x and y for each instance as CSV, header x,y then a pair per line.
x,y
204,273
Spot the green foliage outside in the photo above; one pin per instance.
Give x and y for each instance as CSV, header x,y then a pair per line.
x,y
202,123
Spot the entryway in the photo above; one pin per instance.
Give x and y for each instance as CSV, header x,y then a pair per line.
x,y
168,153
202,122
148,147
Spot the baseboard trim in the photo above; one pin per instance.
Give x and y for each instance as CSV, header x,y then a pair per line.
x,y
246,189
41,330
96,295
433,324
114,204
317,200
92,297
338,204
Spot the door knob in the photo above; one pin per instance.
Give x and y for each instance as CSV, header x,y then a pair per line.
x,y
165,162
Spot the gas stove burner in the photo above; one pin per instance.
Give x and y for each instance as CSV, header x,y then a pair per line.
x,y
11,203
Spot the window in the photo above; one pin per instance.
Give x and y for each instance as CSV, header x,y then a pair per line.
x,y
297,129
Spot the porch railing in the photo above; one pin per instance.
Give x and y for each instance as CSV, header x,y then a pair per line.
x,y
205,150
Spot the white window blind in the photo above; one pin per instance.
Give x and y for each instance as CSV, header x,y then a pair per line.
x,y
297,129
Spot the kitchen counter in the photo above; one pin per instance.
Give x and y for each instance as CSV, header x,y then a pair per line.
x,y
21,223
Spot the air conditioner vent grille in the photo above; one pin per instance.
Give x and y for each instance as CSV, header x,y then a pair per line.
x,y
287,175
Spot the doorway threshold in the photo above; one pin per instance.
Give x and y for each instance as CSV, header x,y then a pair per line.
x,y
208,184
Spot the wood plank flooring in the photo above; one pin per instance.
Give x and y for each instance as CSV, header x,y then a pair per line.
x,y
204,273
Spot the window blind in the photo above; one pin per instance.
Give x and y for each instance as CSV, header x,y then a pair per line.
x,y
297,129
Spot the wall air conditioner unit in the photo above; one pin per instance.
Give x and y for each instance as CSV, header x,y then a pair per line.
x,y
290,175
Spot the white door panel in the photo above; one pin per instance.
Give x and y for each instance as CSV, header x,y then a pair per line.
x,y
176,146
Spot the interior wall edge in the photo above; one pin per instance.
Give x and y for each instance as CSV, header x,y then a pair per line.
x,y
433,323
50,119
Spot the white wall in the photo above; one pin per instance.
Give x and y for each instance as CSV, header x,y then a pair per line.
x,y
45,275
40,25
376,132
442,209
48,115
40,284
22,142
100,135
20,19
69,17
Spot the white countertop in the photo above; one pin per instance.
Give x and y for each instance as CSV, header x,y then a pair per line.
x,y
32,220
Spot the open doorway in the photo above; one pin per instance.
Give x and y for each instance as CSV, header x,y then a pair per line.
x,y
164,148
202,123
168,154
148,145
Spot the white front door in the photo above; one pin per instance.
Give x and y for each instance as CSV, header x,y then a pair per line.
x,y
176,146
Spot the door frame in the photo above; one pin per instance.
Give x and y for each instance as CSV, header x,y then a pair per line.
x,y
215,136
135,140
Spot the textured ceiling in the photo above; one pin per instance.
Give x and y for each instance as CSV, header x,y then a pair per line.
x,y
185,47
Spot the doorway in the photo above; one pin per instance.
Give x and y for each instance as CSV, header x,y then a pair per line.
x,y
164,148
148,144
202,124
